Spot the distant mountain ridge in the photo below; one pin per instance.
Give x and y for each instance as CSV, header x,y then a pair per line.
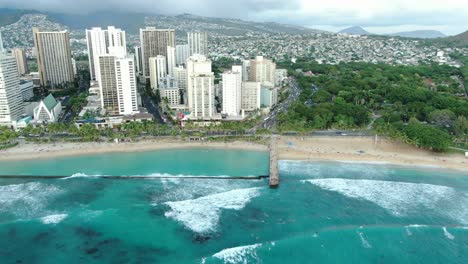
x,y
132,22
355,30
425,34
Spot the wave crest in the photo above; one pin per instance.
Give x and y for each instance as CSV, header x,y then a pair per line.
x,y
202,215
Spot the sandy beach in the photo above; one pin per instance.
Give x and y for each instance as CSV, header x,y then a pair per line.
x,y
345,149
30,151
365,150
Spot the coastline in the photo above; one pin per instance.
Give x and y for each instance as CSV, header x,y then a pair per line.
x,y
366,150
33,151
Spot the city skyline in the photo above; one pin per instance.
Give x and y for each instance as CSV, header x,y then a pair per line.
x,y
450,17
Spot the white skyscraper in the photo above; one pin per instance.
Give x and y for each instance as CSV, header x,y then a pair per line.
x,y
232,86
182,54
157,67
117,83
117,38
154,42
198,43
171,60
11,99
99,41
53,57
201,94
251,92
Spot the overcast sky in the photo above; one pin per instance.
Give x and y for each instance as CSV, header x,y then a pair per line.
x,y
377,16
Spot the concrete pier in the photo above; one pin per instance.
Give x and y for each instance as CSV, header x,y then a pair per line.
x,y
274,175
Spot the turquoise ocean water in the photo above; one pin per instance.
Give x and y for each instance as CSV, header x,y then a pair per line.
x,y
322,212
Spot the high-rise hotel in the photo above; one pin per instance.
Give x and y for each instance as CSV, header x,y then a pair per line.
x,y
201,94
117,82
154,42
198,43
54,59
11,100
99,42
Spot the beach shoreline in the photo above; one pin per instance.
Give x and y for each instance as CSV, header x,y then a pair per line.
x,y
366,150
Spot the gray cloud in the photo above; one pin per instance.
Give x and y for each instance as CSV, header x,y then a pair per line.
x,y
449,14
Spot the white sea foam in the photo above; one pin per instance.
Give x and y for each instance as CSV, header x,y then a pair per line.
x,y
408,231
26,200
202,214
447,234
53,219
321,170
401,198
82,175
238,255
417,226
364,242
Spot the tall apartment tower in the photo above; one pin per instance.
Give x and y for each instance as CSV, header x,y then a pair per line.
x,y
250,98
182,54
263,71
171,60
1,44
232,86
138,59
198,43
117,82
11,100
157,67
200,90
53,57
99,42
21,61
245,70
154,42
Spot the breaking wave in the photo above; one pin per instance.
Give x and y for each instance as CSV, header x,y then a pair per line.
x,y
306,169
238,254
26,200
202,215
53,219
400,198
447,234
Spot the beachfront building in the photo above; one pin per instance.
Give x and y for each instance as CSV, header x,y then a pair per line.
x,y
182,54
117,83
157,66
154,42
11,99
48,110
250,96
200,90
198,43
99,41
54,59
232,87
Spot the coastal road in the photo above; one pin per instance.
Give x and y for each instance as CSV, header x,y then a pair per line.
x,y
270,120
